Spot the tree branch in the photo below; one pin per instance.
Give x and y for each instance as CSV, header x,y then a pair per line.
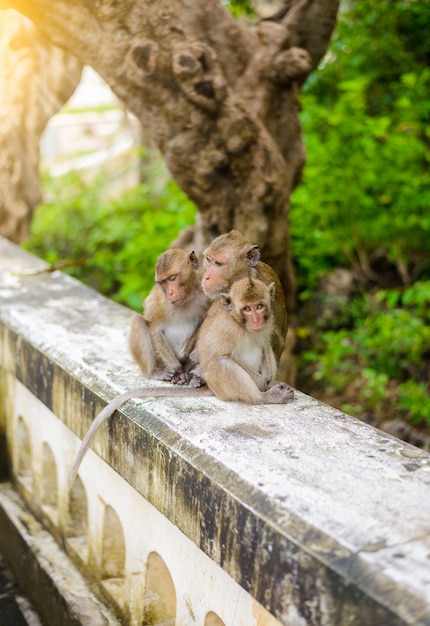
x,y
218,97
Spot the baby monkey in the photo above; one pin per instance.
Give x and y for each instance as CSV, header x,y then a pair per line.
x,y
235,346
236,357
162,339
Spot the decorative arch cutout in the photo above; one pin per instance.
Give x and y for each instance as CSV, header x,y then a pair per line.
x,y
113,546
212,619
160,595
49,479
49,488
113,557
77,525
23,457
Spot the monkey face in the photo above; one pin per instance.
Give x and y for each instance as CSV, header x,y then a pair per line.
x,y
174,288
173,291
254,314
175,273
249,302
228,258
216,278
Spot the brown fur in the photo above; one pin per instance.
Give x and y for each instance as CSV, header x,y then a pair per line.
x,y
162,339
237,362
240,258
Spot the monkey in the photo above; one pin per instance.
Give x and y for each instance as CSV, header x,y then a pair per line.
x,y
234,344
162,339
231,257
237,359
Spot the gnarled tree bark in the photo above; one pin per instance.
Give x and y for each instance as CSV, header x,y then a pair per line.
x,y
36,79
219,97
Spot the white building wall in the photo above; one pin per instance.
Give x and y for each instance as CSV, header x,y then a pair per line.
x,y
201,586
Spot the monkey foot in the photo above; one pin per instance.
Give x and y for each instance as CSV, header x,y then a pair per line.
x,y
279,393
196,382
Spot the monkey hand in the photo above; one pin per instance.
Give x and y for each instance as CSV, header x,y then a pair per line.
x,y
171,374
279,393
181,378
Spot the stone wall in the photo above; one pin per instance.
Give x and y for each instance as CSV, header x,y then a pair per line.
x,y
196,511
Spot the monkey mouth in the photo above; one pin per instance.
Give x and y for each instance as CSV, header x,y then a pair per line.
x,y
255,329
212,294
178,301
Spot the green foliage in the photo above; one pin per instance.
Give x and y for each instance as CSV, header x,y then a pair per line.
x,y
240,7
366,196
120,239
415,401
388,345
365,119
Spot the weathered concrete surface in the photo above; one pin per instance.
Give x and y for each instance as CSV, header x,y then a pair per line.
x,y
15,608
323,519
62,594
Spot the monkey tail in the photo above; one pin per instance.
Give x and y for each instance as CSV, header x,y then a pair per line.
x,y
104,414
116,403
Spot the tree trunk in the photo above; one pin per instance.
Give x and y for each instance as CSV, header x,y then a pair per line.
x,y
218,96
36,79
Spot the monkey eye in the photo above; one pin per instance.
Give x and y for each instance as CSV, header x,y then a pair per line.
x,y
172,278
260,306
247,309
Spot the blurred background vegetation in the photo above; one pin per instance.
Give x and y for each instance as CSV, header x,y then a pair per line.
x,y
360,218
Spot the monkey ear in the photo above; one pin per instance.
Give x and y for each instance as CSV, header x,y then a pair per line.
x,y
271,289
194,260
226,302
253,256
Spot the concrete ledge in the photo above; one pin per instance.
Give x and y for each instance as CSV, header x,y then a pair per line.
x,y
58,590
321,518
